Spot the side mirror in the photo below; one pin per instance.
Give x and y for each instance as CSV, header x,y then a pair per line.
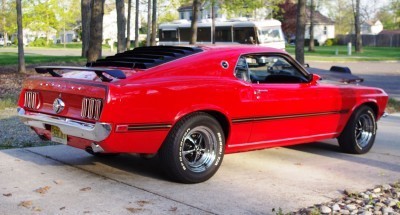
x,y
314,78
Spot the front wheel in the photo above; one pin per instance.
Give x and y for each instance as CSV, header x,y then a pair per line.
x,y
194,149
358,136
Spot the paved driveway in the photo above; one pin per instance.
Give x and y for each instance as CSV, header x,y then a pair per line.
x,y
247,183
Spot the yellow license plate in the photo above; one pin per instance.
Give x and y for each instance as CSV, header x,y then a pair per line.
x,y
57,135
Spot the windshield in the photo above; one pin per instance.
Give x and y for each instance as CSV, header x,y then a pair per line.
x,y
269,35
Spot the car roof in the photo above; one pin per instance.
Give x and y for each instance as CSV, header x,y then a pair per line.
x,y
152,56
240,49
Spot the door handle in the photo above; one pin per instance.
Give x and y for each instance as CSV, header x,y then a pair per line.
x,y
258,92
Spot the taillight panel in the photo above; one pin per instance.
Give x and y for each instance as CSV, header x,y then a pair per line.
x,y
91,108
32,100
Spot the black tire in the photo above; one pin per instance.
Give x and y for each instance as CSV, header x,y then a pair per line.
x,y
358,136
194,149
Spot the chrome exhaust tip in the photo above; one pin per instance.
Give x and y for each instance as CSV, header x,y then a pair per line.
x,y
96,148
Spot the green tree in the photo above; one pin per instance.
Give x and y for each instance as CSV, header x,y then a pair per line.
x,y
86,14
390,15
41,16
154,24
300,30
21,57
96,30
357,25
68,15
246,8
8,19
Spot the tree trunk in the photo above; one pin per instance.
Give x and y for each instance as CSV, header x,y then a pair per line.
x,y
213,22
357,27
137,23
300,30
86,10
311,44
193,26
148,23
96,31
128,26
3,9
21,58
121,25
154,24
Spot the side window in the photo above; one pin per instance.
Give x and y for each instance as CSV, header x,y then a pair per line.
x,y
270,69
241,70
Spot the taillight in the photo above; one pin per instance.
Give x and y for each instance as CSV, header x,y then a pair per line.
x,y
32,100
91,108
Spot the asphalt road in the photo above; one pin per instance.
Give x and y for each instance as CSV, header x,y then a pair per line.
x,y
73,181
385,75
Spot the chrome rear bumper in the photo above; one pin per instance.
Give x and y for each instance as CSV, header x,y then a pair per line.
x,y
90,131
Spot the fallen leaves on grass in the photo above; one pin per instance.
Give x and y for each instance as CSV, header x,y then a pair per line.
x,y
86,189
7,194
43,190
25,204
134,210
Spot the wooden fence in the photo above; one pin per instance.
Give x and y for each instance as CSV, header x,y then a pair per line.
x,y
380,40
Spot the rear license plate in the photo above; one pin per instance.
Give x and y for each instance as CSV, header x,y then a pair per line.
x,y
57,135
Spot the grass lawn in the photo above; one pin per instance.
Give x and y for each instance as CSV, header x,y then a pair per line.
x,y
327,53
8,58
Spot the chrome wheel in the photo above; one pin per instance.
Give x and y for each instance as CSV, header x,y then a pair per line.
x,y
365,128
199,148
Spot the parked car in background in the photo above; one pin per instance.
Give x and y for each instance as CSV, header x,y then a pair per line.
x,y
192,105
2,42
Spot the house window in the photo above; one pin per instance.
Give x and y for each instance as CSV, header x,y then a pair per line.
x,y
182,15
325,30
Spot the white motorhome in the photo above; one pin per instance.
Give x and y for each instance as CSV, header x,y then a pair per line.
x,y
236,31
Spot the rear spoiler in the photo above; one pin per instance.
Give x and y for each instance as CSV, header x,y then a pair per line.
x,y
99,71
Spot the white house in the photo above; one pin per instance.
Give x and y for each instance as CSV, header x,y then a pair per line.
x,y
373,27
324,27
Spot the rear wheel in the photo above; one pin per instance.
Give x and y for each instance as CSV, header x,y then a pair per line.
x,y
359,134
194,149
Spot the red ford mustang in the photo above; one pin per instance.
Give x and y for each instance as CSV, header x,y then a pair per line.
x,y
192,105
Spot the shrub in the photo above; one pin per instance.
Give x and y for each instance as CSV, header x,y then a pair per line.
x,y
329,42
142,43
40,42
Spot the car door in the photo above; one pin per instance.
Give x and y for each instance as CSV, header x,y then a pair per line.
x,y
285,101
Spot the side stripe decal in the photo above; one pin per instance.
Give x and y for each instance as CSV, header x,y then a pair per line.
x,y
264,118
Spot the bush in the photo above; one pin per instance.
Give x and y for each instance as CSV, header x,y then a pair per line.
x,y
142,43
329,42
40,42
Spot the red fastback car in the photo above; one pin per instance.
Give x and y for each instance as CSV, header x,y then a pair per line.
x,y
192,105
